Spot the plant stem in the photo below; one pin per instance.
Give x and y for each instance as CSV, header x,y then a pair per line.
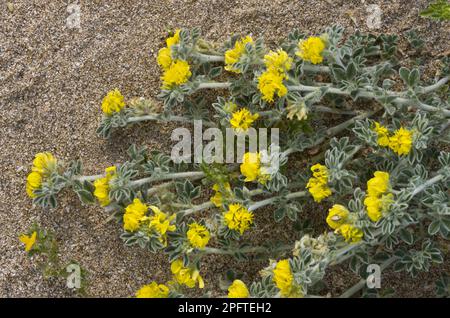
x,y
209,58
368,94
158,117
218,85
290,196
208,205
428,183
89,178
436,86
244,250
358,286
316,108
169,176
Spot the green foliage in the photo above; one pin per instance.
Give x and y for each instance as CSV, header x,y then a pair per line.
x,y
438,10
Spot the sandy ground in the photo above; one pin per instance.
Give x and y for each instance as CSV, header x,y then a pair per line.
x,y
52,80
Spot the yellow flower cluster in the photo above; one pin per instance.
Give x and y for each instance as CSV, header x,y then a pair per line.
x,y
317,184
101,185
284,279
43,165
198,235
271,81
134,213
400,142
186,276
383,134
251,168
238,218
233,55
113,102
217,198
350,233
278,61
238,289
153,290
378,199
337,216
160,222
242,120
28,240
339,219
176,72
311,49
165,54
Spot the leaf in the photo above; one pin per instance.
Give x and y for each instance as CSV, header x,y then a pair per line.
x,y
406,236
439,10
279,214
215,71
413,78
404,74
85,196
433,228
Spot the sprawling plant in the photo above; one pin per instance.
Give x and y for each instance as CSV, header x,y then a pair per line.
x,y
373,131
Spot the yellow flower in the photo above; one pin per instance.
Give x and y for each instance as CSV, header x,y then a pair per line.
x,y
113,102
350,233
175,39
243,119
271,83
377,206
164,58
217,198
378,200
278,61
401,141
238,218
165,54
311,49
251,168
284,280
320,172
233,55
318,184
379,184
29,241
44,163
34,181
238,289
178,73
101,185
133,215
337,216
153,290
186,276
383,134
198,235
162,223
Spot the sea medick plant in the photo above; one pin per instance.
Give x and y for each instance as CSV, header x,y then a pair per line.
x,y
381,170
